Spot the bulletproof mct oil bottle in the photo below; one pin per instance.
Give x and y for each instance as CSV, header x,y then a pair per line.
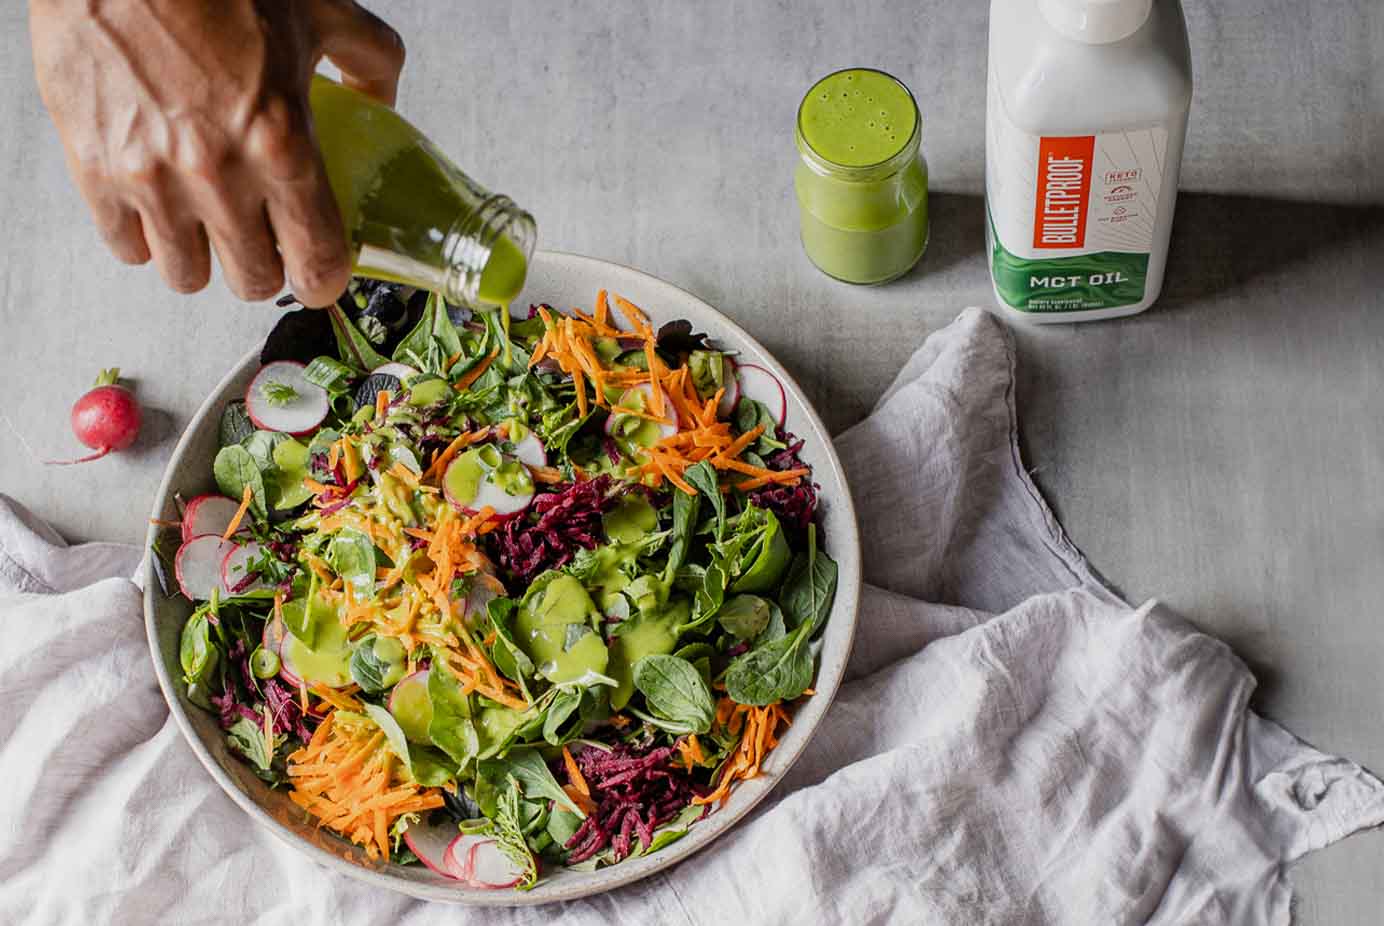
x,y
1086,113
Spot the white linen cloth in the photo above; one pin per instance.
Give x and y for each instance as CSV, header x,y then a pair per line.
x,y
1013,745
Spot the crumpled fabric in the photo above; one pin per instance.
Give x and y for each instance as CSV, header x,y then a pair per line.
x,y
1013,745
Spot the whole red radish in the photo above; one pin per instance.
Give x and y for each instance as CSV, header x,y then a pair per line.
x,y
106,418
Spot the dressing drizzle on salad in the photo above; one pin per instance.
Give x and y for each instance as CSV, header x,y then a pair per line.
x,y
530,593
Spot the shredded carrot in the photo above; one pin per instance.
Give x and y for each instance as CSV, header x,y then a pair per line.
x,y
245,498
760,735
548,475
347,777
439,465
690,751
740,443
403,473
476,372
350,459
315,487
382,400
574,773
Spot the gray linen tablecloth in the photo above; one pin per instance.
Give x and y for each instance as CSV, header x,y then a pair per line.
x,y
1014,743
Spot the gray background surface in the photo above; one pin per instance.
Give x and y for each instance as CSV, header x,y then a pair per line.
x,y
1224,451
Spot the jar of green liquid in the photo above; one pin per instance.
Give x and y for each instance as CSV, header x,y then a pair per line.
x,y
861,178
413,216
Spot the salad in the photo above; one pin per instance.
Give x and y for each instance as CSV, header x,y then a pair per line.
x,y
497,594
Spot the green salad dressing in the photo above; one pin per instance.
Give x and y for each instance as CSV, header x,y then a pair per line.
x,y
857,117
639,637
327,662
861,182
630,521
554,627
413,216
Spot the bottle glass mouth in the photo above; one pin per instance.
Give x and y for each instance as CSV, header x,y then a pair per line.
x,y
488,254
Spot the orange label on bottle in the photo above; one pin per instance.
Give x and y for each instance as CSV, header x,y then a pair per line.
x,y
1063,191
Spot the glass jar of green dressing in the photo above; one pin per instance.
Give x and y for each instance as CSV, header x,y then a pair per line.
x,y
861,178
413,216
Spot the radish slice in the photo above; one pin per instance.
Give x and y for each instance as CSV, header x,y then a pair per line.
x,y
759,384
479,862
731,397
469,486
198,566
273,640
504,505
530,451
641,397
235,564
400,371
299,414
280,641
430,844
411,707
208,514
491,868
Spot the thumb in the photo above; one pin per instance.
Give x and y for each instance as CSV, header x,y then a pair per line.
x,y
368,51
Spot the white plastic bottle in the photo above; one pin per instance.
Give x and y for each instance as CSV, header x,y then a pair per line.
x,y
1086,113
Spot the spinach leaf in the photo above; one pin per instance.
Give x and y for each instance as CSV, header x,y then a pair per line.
x,y
685,509
235,424
675,691
703,478
558,427
261,446
562,826
564,705
234,469
495,329
709,597
744,616
451,728
674,829
749,414
355,348
509,658
758,554
810,587
424,766
777,627
377,668
526,766
352,556
780,670
435,326
247,738
196,652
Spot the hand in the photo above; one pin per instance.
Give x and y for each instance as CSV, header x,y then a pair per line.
x,y
186,122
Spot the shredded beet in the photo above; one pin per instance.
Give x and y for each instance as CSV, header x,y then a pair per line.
x,y
795,505
635,791
556,526
286,714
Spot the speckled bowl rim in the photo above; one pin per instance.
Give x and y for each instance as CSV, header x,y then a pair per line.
x,y
663,301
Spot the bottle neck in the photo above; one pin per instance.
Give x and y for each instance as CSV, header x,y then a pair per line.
x,y
1096,22
498,232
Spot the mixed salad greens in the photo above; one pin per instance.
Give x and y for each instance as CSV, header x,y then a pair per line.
x,y
491,593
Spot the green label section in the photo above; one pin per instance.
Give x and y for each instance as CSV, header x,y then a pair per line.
x,y
1103,280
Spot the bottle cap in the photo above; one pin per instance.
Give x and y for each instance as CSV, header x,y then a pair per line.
x,y
1096,22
